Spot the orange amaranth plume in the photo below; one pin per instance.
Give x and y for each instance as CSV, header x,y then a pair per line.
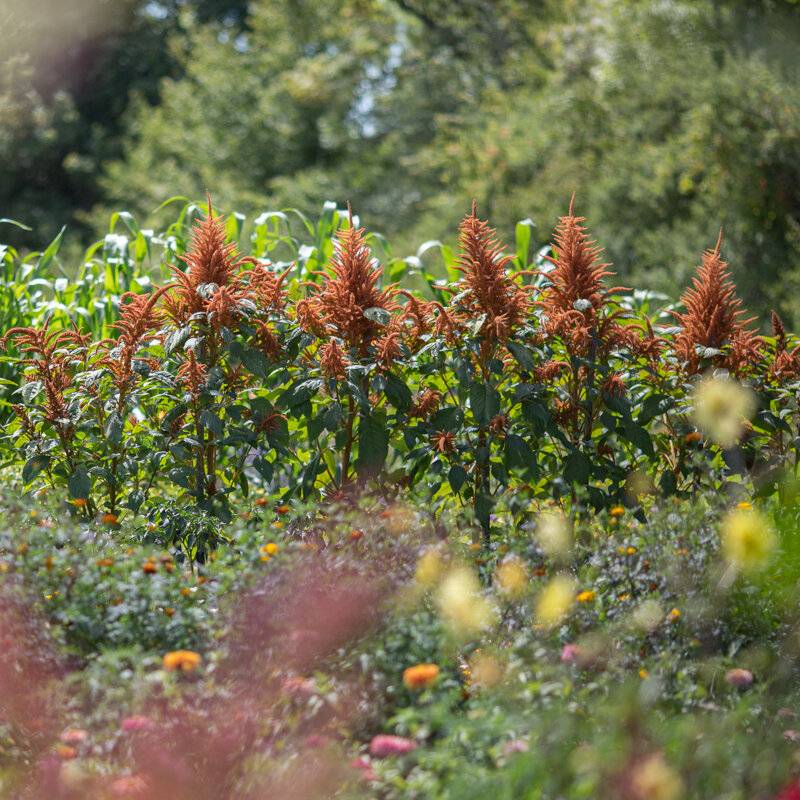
x,y
486,287
338,307
211,262
578,274
712,321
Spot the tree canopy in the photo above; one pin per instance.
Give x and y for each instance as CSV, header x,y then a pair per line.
x,y
668,121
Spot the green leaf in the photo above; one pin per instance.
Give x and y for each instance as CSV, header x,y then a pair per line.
x,y
182,476
30,390
457,477
519,455
135,500
378,315
211,421
113,427
640,438
315,426
264,468
373,445
310,474
333,417
256,362
33,466
176,339
51,251
484,401
654,405
524,230
577,468
398,394
79,483
521,354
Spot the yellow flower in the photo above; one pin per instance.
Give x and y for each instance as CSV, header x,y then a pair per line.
x,y
674,614
747,538
420,676
429,567
744,504
631,550
617,511
184,660
586,597
642,673
460,603
721,407
554,534
270,548
555,601
648,616
511,577
654,779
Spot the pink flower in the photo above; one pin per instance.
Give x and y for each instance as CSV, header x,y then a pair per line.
x,y
364,767
74,736
515,746
789,792
385,745
298,687
740,678
569,652
136,723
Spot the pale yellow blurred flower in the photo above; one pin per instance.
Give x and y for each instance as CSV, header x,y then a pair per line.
x,y
721,406
460,603
747,538
654,779
554,534
511,577
429,567
485,670
648,616
555,601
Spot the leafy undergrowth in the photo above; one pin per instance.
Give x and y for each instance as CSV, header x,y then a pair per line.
x,y
367,652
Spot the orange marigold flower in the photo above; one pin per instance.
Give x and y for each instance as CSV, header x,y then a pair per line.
x,y
586,597
80,502
110,519
184,660
617,511
444,441
66,752
420,676
149,568
693,438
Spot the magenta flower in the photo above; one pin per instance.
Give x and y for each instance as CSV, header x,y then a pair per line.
x,y
136,723
569,652
385,745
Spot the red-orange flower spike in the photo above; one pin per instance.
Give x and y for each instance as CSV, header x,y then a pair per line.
x,y
210,261
712,320
489,288
352,289
578,273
